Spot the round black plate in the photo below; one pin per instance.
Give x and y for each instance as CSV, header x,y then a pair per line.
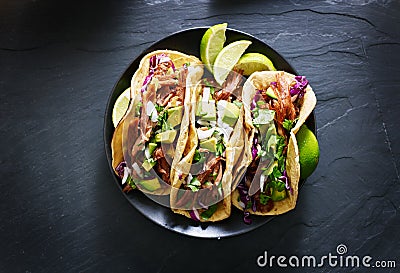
x,y
188,41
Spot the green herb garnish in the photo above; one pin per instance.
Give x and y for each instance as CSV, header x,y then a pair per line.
x,y
288,124
205,215
264,198
194,184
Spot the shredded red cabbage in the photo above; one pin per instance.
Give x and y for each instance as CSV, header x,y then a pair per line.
x,y
246,218
256,98
285,179
254,206
254,152
120,169
299,87
155,60
245,198
274,84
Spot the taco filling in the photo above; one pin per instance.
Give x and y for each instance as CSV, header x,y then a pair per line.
x,y
152,132
216,111
274,112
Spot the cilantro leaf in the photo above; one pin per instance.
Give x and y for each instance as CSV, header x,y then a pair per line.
x,y
193,188
162,118
289,124
264,198
138,108
211,86
275,174
194,184
197,156
130,182
220,146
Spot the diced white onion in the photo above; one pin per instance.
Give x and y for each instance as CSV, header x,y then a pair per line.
x,y
206,94
262,181
189,178
203,134
150,108
126,175
203,122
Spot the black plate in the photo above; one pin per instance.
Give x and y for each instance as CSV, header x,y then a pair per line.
x,y
188,41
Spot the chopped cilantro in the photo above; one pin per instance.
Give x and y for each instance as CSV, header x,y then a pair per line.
x,y
194,184
198,157
162,118
264,198
280,145
276,173
138,108
211,86
205,215
220,146
130,182
159,108
288,124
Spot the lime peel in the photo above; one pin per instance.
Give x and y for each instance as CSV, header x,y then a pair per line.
x,y
211,44
252,62
308,151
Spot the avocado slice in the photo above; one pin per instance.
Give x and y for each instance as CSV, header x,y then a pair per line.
x,y
150,185
152,147
271,93
166,137
175,115
148,164
209,144
230,114
278,195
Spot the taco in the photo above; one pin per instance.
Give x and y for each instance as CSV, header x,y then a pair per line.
x,y
152,132
277,104
213,155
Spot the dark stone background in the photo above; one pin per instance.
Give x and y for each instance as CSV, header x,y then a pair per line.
x,y
62,212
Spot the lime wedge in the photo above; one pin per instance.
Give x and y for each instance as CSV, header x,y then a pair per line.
x,y
227,59
120,106
308,151
252,62
211,44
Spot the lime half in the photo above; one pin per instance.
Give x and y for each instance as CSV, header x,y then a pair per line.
x,y
252,62
227,59
211,44
120,106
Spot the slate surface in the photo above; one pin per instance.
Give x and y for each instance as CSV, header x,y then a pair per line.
x,y
60,210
